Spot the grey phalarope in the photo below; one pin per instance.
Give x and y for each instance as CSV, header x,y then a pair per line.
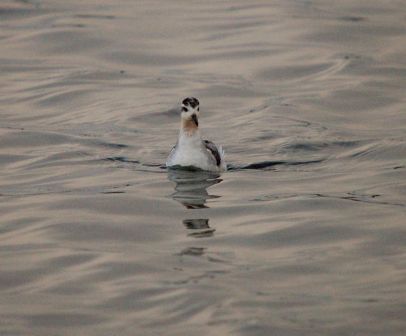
x,y
191,151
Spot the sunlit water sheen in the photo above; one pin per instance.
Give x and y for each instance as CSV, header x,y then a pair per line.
x,y
304,235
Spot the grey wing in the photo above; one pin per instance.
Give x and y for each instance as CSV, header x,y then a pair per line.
x,y
173,149
210,146
171,153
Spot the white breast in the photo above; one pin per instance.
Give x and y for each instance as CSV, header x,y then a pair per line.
x,y
190,151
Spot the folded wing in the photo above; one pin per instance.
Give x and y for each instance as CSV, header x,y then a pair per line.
x,y
212,148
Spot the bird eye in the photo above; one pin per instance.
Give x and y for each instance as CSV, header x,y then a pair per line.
x,y
184,109
198,108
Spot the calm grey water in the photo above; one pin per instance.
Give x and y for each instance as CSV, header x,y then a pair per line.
x,y
304,235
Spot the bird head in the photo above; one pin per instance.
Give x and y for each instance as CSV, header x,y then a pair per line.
x,y
190,110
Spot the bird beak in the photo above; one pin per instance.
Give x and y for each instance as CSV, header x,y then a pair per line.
x,y
194,118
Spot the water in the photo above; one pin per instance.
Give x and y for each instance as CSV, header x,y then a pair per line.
x,y
305,235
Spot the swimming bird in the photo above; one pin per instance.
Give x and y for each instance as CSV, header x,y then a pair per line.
x,y
191,151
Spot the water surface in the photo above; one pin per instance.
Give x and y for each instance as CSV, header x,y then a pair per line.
x,y
304,235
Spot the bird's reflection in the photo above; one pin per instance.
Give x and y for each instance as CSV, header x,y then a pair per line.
x,y
191,187
199,227
191,191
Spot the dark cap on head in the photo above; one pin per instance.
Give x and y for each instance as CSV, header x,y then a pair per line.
x,y
190,101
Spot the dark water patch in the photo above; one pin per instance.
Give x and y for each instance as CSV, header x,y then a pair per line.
x,y
158,118
156,60
349,34
289,122
373,199
294,72
155,165
19,224
95,16
62,320
315,146
382,71
60,159
32,139
348,101
15,278
22,66
264,165
65,41
111,270
10,280
8,13
42,188
94,232
112,145
18,248
71,78
186,309
350,196
134,300
265,136
71,25
66,97
297,269
387,149
237,7
274,197
240,25
261,328
174,112
193,251
306,234
17,9
69,288
8,159
142,166
223,91
385,243
62,262
121,159
352,18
